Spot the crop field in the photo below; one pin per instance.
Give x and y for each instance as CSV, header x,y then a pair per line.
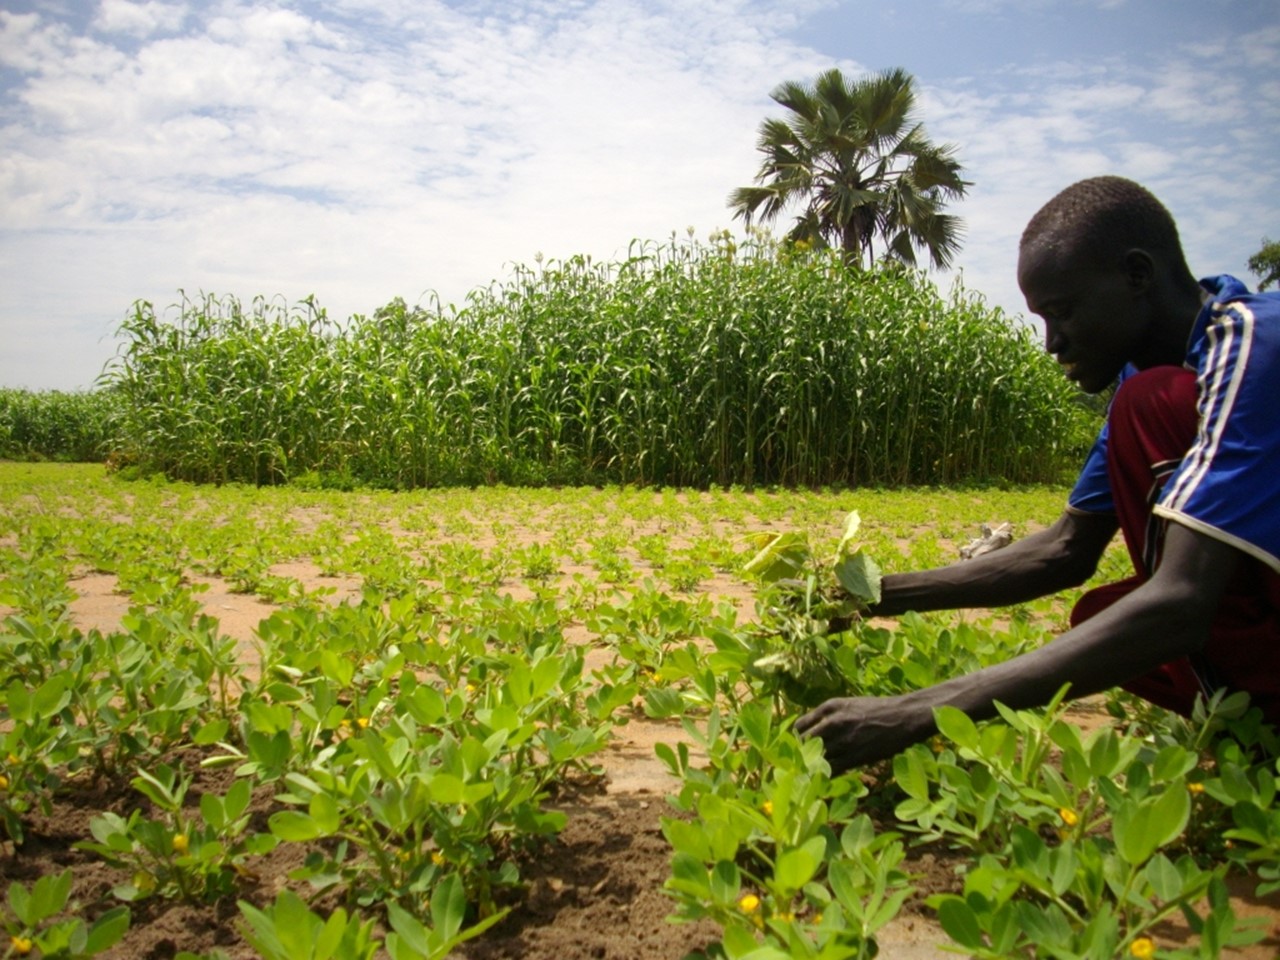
x,y
496,722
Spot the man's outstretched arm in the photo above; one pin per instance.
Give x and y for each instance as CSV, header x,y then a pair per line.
x,y
1061,556
1167,617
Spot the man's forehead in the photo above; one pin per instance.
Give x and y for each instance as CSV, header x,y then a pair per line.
x,y
1042,263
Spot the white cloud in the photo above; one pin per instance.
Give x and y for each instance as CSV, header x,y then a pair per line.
x,y
139,19
363,150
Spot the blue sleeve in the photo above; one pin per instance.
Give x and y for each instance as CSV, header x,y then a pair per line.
x,y
1092,492
1226,486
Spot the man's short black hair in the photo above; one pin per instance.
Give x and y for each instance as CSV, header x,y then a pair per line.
x,y
1103,218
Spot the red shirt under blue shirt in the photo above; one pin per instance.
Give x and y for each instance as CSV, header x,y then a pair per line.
x,y
1226,484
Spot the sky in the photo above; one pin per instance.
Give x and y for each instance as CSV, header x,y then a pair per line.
x,y
362,150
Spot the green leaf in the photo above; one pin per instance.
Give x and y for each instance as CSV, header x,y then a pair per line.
x,y
237,799
726,882
1173,762
689,875
410,930
909,772
107,930
20,904
51,696
426,705
48,896
1170,813
960,923
663,702
447,788
448,906
861,577
323,809
852,523
784,557
1140,828
756,719
294,826
210,733
687,836
796,867
214,811
1164,878
1104,754
957,726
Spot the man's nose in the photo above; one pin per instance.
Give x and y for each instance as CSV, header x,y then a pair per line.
x,y
1052,338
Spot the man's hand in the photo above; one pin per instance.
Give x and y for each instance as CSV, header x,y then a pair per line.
x,y
856,731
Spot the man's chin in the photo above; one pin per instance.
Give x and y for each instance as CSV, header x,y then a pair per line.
x,y
1089,383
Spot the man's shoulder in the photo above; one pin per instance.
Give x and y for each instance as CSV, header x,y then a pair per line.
x,y
1224,291
1237,314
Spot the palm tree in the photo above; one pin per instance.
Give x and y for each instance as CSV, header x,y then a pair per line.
x,y
862,167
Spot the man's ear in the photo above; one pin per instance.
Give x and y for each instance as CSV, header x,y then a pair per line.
x,y
1139,269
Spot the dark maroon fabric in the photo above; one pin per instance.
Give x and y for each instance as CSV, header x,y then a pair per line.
x,y
1152,422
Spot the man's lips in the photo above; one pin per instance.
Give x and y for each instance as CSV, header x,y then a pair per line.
x,y
1069,368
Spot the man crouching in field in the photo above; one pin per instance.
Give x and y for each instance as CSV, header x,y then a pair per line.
x,y
1187,467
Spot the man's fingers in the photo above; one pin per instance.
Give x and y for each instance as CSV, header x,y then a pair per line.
x,y
813,718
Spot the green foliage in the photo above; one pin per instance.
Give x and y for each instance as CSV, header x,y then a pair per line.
x,y
1119,806
687,364
32,922
1080,846
410,735
54,425
289,930
1265,264
180,855
777,857
853,157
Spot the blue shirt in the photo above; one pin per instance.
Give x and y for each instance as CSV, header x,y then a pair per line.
x,y
1228,484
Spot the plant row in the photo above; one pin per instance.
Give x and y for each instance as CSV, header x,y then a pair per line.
x,y
687,364
404,748
56,425
411,760
1071,846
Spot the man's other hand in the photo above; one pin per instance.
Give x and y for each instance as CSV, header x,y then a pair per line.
x,y
856,731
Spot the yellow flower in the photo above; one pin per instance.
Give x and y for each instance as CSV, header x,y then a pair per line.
x,y
180,843
14,759
4,782
1143,947
1069,817
1196,787
471,689
437,858
21,945
362,723
767,807
145,882
749,903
